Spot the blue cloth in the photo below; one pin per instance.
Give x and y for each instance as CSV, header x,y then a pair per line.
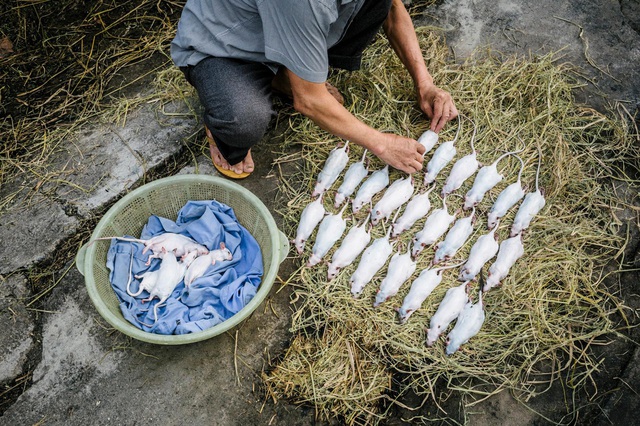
x,y
225,288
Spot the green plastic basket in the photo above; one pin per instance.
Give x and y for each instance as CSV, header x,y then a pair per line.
x,y
165,197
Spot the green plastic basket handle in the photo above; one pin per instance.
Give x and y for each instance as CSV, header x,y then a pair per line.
x,y
284,246
80,258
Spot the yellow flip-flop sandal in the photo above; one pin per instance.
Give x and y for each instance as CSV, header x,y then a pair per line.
x,y
228,173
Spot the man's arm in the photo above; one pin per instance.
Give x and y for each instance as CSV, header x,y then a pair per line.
x,y
314,101
435,102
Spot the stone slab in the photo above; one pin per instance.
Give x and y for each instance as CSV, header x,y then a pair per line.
x,y
16,340
31,230
92,374
106,161
607,52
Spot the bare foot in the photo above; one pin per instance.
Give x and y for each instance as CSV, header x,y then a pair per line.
x,y
245,166
247,163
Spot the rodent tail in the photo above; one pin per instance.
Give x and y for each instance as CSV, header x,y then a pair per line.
x,y
133,240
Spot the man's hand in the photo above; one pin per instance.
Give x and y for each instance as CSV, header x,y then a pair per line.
x,y
437,104
314,101
402,153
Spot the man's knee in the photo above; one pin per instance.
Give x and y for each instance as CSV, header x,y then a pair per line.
x,y
241,128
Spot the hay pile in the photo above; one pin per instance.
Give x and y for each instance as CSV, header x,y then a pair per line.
x,y
551,308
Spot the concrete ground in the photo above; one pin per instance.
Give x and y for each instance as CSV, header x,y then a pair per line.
x,y
60,363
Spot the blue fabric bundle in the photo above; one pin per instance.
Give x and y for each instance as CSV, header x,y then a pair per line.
x,y
225,288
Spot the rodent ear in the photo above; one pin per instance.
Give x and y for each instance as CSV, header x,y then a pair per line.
x,y
222,246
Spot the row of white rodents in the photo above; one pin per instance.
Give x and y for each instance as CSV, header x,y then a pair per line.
x,y
401,191
402,266
487,178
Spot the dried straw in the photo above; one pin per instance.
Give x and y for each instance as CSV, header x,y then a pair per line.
x,y
86,61
552,307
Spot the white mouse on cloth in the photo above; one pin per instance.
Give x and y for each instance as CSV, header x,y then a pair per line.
x,y
336,162
170,274
199,266
179,244
149,280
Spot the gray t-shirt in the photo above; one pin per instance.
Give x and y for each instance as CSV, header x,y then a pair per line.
x,y
293,33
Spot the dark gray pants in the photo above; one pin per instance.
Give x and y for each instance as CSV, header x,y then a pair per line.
x,y
236,94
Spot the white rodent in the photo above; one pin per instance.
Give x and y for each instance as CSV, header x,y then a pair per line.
x,y
531,206
352,178
456,237
507,199
428,139
149,280
169,241
401,267
372,260
374,184
199,266
486,179
468,324
452,304
329,232
436,224
170,273
462,169
421,288
443,155
510,250
310,218
484,249
398,193
416,209
336,162
352,245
